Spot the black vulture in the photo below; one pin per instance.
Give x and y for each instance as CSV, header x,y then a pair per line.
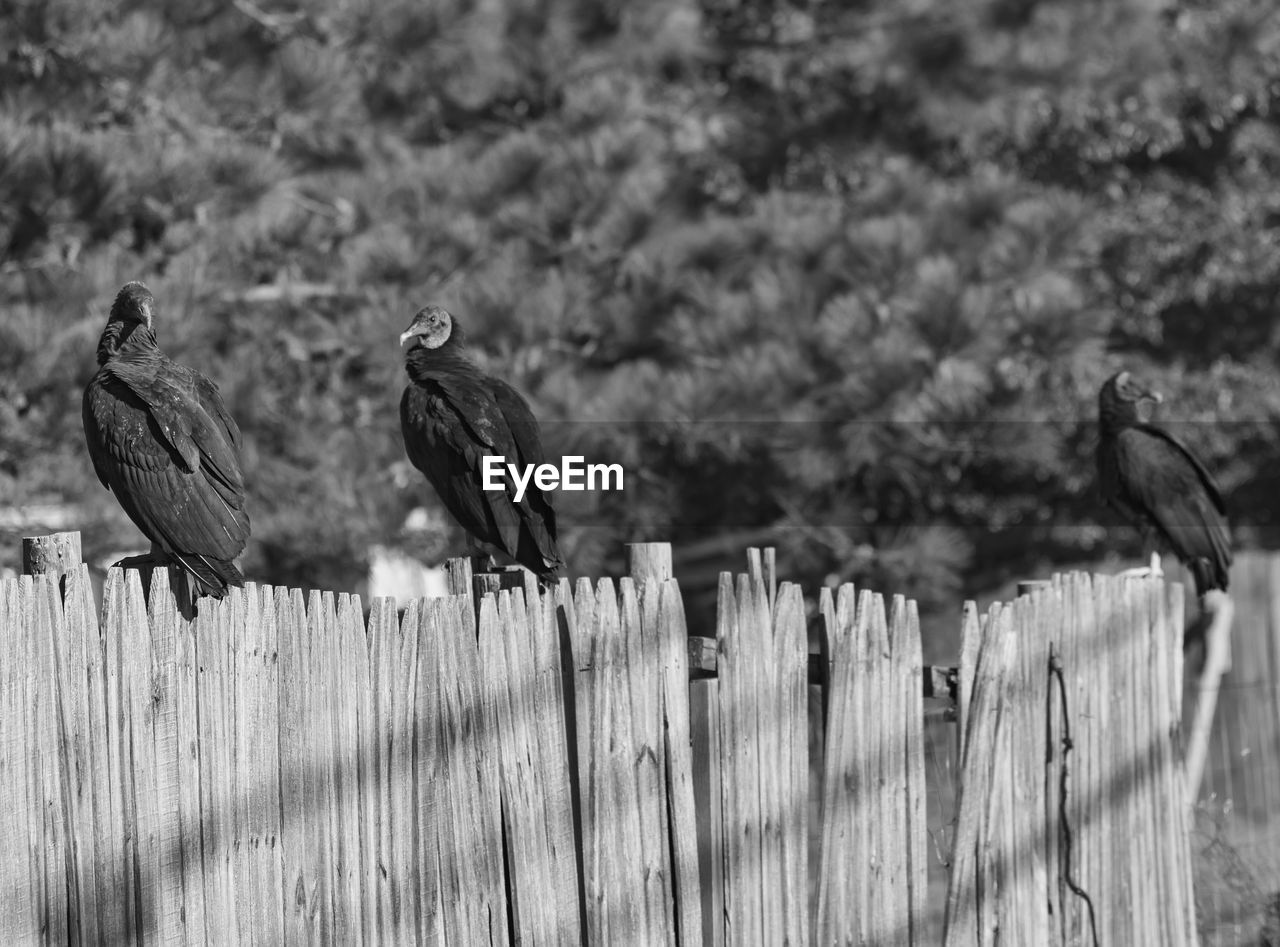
x,y
1152,479
452,416
162,441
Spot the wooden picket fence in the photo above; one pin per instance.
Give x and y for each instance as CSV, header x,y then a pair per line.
x,y
573,767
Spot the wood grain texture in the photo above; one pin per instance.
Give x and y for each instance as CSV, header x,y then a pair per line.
x,y
679,770
284,769
55,554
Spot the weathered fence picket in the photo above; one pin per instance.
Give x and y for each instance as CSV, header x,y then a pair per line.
x,y
873,868
558,767
678,759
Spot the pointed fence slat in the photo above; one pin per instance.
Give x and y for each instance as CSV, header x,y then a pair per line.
x,y
325,670
477,814
839,908
383,649
1174,854
463,821
116,840
618,890
187,735
440,897
262,668
351,655
154,639
908,654
79,633
17,892
640,658
299,889
970,641
742,641
969,920
26,675
885,738
240,785
150,736
553,742
678,747
49,810
704,733
1027,908
217,623
791,658
771,719
366,673
508,688
402,862
15,889
519,653
61,877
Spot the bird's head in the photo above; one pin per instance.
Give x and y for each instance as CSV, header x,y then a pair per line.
x,y
134,303
1123,398
130,318
431,328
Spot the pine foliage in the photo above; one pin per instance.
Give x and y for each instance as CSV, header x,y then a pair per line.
x,y
843,277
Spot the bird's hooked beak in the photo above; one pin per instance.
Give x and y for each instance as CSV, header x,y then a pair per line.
x,y
1153,396
431,328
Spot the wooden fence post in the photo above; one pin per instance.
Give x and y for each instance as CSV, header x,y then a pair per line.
x,y
1217,662
55,554
458,576
649,562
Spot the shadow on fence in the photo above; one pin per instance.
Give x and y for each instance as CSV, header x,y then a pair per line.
x,y
548,767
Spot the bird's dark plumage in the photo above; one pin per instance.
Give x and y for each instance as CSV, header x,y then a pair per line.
x,y
1154,481
162,441
452,415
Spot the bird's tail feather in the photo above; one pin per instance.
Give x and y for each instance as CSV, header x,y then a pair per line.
x,y
1208,575
210,576
550,575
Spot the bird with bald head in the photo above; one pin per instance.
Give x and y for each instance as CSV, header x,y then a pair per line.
x,y
1125,400
431,328
1157,484
161,440
452,416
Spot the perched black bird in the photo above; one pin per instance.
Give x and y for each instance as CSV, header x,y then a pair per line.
x,y
452,415
163,442
1156,483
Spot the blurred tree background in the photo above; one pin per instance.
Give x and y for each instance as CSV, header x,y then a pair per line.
x,y
843,275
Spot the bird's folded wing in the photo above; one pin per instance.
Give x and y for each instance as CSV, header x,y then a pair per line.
x,y
451,451
520,422
477,410
1206,478
185,511
528,441
1166,482
221,451
188,411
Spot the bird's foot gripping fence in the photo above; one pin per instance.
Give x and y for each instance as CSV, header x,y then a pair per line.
x,y
573,765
